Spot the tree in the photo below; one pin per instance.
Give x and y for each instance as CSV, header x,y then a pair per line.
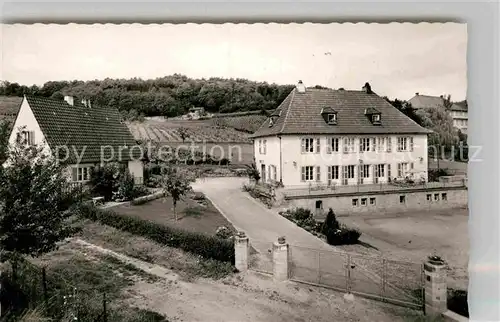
x,y
253,172
330,223
183,133
176,184
35,198
5,128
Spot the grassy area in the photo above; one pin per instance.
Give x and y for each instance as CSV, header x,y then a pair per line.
x,y
76,283
187,265
194,216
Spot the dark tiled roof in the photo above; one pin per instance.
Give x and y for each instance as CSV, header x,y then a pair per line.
x,y
426,101
301,114
460,106
79,126
9,105
371,110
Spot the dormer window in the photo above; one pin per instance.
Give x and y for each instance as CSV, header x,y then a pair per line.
x,y
374,115
332,118
271,122
329,115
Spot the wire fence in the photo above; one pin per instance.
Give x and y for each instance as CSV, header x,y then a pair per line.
x,y
26,286
376,277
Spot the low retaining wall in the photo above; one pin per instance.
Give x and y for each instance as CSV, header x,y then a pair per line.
x,y
388,202
450,316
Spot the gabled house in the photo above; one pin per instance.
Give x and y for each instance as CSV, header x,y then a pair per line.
x,y
339,137
457,111
78,134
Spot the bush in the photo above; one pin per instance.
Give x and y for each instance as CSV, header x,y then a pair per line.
x,y
342,236
126,189
457,302
199,244
103,180
434,174
223,232
301,214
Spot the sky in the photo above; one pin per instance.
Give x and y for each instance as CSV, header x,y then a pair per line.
x,y
397,60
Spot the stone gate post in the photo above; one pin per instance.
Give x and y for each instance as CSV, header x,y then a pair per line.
x,y
435,286
241,251
280,259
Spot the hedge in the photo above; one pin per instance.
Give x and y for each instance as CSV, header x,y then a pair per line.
x,y
196,243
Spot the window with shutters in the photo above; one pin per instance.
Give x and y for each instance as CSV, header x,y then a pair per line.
x,y
405,144
348,172
318,173
333,172
307,145
380,144
364,144
365,170
402,169
260,146
389,144
264,146
332,145
379,170
307,173
348,145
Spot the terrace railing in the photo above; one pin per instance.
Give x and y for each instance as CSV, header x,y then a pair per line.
x,y
321,188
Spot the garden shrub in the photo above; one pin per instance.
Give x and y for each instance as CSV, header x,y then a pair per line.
x,y
434,174
457,302
342,236
199,244
103,180
223,232
126,189
301,214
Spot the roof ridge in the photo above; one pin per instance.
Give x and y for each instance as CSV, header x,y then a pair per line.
x,y
288,110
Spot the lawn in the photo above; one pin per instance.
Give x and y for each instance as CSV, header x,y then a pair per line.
x,y
186,265
192,216
412,236
72,271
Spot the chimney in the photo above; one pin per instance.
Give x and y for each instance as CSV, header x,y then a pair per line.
x,y
367,88
69,100
417,93
301,87
84,102
88,104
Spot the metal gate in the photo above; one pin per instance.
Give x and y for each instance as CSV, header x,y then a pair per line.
x,y
396,282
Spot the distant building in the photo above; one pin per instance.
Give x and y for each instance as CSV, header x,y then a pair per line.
x,y
196,112
458,111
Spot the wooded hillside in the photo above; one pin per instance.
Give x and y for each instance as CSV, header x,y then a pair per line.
x,y
166,96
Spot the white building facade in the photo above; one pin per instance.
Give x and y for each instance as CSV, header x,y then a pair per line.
x,y
375,155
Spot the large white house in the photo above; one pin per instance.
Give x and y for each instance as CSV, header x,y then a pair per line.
x,y
80,135
339,137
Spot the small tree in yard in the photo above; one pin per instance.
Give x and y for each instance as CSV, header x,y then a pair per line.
x,y
253,172
35,199
330,222
176,184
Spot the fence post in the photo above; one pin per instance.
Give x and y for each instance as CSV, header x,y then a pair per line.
x,y
348,296
280,260
384,275
241,251
44,285
435,287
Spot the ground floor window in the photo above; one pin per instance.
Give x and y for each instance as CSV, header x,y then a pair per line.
x,y
354,202
333,172
402,199
372,201
307,173
81,174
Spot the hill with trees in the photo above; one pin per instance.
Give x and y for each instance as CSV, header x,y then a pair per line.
x,y
168,96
